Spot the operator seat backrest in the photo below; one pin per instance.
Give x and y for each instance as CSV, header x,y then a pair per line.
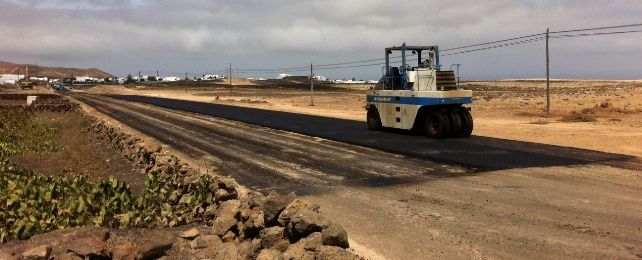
x,y
395,72
396,77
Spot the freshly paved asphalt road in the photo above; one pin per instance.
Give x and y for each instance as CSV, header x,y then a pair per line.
x,y
405,208
481,153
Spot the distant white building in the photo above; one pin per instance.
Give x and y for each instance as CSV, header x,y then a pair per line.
x,y
283,75
211,77
169,79
82,79
349,81
10,78
320,78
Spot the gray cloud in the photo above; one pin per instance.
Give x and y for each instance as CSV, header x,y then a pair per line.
x,y
199,36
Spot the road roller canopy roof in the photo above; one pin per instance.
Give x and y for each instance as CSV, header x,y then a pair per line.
x,y
415,50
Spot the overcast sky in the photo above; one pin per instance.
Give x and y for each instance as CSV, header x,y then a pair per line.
x,y
199,36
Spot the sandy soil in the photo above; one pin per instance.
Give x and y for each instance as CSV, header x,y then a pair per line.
x,y
511,110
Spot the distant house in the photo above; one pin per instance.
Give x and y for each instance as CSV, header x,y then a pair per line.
x,y
283,75
211,77
320,78
80,79
87,79
10,78
350,81
169,79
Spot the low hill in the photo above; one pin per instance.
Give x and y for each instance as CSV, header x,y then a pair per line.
x,y
52,72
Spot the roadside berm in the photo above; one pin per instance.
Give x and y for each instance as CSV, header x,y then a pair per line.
x,y
187,214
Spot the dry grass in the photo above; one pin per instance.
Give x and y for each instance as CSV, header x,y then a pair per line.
x,y
540,121
530,113
604,109
575,116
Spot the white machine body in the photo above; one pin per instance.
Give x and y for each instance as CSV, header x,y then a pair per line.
x,y
398,108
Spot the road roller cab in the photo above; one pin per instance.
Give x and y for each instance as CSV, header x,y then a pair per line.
x,y
422,98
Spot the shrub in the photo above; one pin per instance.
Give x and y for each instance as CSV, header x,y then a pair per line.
x,y
31,203
578,117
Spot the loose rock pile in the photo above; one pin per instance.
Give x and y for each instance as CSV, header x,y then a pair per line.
x,y
228,221
24,96
49,103
53,105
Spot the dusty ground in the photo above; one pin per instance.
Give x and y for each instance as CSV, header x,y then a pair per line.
x,y
516,110
439,211
511,110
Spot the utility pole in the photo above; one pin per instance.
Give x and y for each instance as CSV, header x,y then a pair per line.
x,y
311,85
139,76
186,76
230,74
548,78
157,75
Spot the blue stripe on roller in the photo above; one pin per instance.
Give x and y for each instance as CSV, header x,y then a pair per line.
x,y
422,101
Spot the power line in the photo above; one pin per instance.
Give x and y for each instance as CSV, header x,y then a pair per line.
x,y
213,72
353,62
505,43
497,46
349,62
269,70
333,65
593,34
541,34
493,42
351,66
324,68
599,28
276,69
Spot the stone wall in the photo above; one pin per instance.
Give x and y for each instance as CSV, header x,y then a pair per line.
x,y
235,223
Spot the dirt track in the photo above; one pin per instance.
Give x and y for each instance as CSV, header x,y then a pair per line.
x,y
406,208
